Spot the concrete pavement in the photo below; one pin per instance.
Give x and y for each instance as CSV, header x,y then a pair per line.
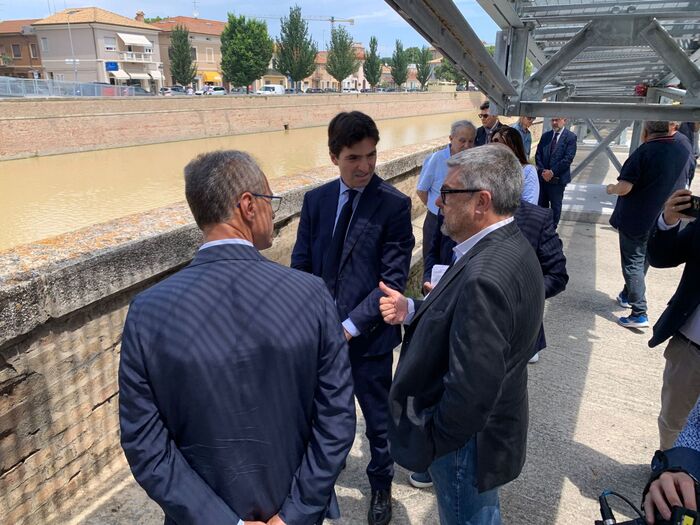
x,y
594,397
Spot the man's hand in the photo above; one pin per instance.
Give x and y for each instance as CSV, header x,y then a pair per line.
x,y
427,287
672,489
276,520
610,189
348,335
393,306
676,203
547,175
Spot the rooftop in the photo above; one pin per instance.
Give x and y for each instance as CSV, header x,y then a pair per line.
x,y
86,15
15,26
193,25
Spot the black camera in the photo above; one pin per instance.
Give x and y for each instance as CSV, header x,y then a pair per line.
x,y
694,210
679,515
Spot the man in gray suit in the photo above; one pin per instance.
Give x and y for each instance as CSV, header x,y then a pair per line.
x,y
459,397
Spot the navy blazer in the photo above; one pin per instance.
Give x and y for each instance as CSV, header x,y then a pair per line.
x,y
236,398
560,160
377,248
668,249
481,133
537,227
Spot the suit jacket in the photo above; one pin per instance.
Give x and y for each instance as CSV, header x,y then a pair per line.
x,y
536,224
463,365
668,249
236,398
559,161
378,247
482,134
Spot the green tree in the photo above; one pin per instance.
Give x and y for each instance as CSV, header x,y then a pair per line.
x,y
528,65
182,67
448,72
296,52
155,19
342,61
373,66
413,54
386,60
423,66
246,50
399,65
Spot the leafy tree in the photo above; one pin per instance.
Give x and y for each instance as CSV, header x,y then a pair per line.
x,y
413,54
296,52
423,66
182,67
342,61
246,50
448,72
399,65
373,66
155,19
386,60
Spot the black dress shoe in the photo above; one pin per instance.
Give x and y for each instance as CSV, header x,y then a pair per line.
x,y
380,507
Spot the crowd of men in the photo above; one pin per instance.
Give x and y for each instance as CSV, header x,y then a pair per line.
x,y
238,376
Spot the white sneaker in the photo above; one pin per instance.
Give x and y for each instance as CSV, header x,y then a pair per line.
x,y
534,358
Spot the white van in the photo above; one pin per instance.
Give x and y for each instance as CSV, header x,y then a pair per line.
x,y
271,89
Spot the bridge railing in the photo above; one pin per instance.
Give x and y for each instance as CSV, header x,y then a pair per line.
x,y
27,87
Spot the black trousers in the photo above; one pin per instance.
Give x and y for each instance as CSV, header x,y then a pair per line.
x,y
551,196
429,230
372,378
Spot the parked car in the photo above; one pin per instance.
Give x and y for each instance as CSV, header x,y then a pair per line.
x,y
314,90
271,89
140,92
216,90
169,91
350,90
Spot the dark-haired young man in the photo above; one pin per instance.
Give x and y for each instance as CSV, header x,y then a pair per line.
x,y
354,232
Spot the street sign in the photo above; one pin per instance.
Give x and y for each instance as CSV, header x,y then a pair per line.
x,y
112,66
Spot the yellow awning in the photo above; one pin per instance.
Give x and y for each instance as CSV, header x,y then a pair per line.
x,y
210,76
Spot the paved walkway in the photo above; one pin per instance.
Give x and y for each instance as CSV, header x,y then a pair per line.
x,y
594,397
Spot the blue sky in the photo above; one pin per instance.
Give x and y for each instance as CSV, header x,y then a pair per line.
x,y
372,17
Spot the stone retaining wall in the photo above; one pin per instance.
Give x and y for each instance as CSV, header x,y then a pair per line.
x,y
63,302
31,127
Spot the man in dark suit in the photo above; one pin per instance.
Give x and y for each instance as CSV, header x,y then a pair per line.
x,y
555,153
670,246
354,232
235,390
489,125
459,397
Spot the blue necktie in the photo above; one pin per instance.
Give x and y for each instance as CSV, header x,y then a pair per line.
x,y
331,265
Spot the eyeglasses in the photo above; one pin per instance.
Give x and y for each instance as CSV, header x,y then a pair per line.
x,y
483,115
275,201
445,191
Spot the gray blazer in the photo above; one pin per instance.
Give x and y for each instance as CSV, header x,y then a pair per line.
x,y
463,365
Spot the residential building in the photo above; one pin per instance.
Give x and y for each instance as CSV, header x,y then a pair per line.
x,y
19,50
205,46
89,44
321,79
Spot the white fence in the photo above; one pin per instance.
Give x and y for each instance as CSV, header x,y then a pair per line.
x,y
24,87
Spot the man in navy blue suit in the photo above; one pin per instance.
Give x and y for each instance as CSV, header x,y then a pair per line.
x,y
555,153
354,232
236,402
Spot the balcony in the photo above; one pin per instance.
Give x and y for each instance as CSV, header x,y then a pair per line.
x,y
132,56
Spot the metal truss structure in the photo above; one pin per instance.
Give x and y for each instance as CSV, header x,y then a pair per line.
x,y
589,56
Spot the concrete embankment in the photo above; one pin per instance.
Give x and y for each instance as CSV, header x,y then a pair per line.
x,y
32,127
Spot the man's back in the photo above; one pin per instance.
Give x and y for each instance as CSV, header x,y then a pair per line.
x,y
237,351
655,169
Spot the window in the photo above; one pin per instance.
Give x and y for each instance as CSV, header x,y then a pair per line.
x,y
210,54
110,43
193,53
148,49
44,43
2,51
16,51
33,51
60,77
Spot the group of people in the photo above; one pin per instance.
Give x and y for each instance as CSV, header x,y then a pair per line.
x,y
238,376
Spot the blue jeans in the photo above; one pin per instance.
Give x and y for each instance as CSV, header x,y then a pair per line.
x,y
459,500
633,255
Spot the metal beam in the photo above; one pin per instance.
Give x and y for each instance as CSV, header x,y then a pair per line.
x,y
585,17
671,78
675,57
603,145
609,110
442,24
501,12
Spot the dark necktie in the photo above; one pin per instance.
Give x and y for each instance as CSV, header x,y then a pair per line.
x,y
335,250
553,144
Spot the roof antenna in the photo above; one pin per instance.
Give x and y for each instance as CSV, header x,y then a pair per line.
x,y
195,13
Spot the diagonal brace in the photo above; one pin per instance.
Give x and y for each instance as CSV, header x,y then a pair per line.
x,y
602,146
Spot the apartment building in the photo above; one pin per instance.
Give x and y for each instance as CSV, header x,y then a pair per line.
x,y
205,46
19,50
89,44
321,79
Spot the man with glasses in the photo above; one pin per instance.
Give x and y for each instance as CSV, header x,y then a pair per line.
x,y
235,392
354,232
489,125
459,397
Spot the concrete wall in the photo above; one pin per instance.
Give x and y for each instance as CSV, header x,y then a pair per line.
x,y
30,127
63,302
